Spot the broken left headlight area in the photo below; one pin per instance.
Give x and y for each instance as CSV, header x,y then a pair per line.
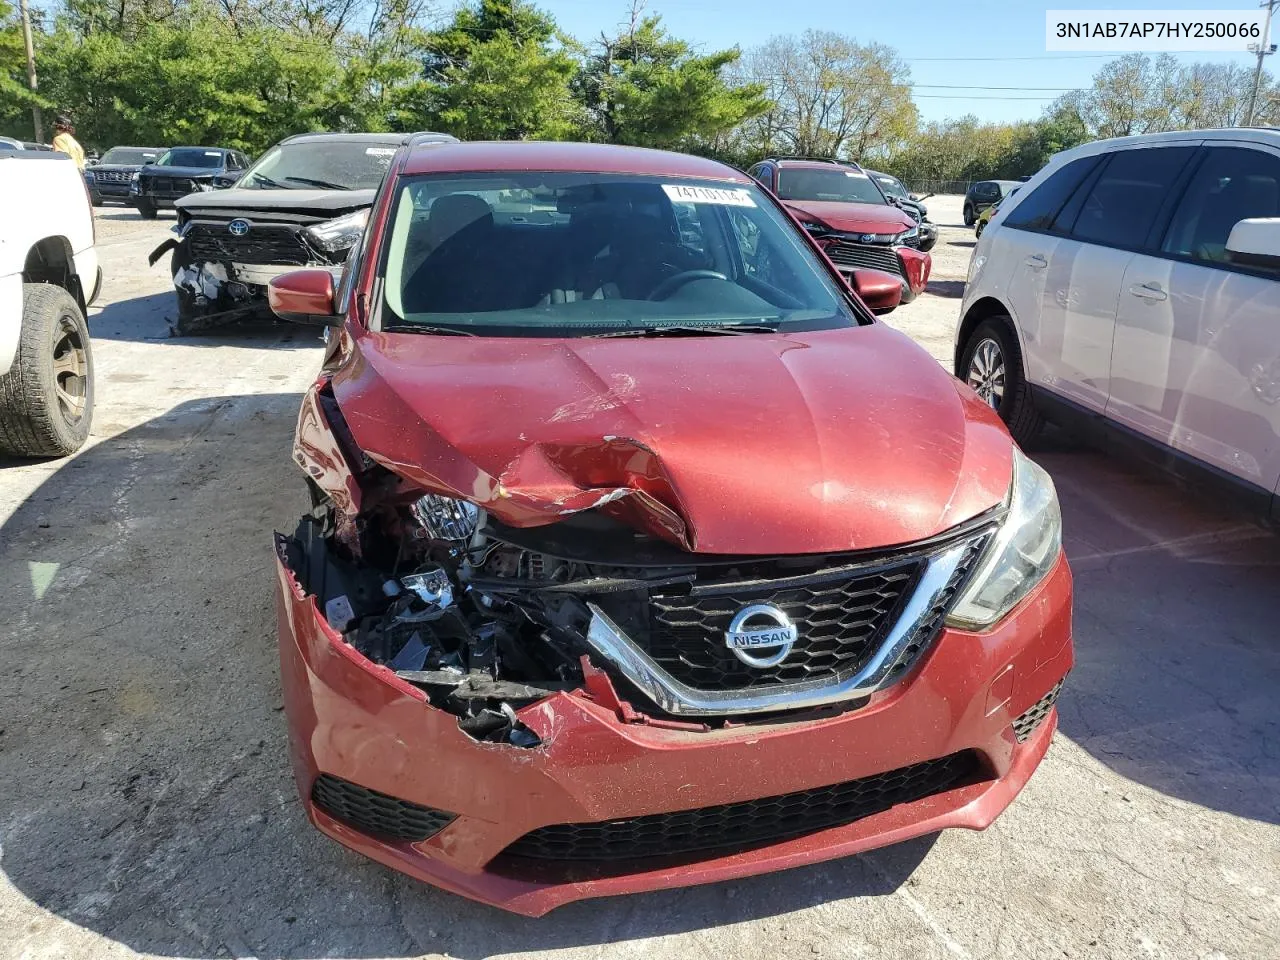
x,y
399,586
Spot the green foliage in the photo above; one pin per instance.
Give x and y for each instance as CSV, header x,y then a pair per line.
x,y
646,88
246,73
497,72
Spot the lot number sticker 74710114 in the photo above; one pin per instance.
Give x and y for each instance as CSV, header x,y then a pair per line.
x,y
724,197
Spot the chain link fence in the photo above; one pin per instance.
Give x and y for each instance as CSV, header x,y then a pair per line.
x,y
922,186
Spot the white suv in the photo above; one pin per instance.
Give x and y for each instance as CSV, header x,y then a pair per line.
x,y
1132,288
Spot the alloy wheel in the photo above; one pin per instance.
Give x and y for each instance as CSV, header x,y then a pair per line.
x,y
986,372
70,370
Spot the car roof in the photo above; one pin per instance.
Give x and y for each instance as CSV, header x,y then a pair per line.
x,y
802,163
1267,135
190,147
332,137
129,146
504,156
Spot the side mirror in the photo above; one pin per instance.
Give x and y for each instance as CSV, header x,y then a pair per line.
x,y
915,198
1255,243
880,291
304,296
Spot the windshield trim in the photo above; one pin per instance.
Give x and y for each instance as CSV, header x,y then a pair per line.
x,y
858,315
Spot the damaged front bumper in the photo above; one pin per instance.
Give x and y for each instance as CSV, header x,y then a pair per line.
x,y
219,291
566,802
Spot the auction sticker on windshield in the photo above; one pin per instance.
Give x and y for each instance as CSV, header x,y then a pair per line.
x,y
728,198
380,151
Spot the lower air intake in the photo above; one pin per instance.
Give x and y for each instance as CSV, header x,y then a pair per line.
x,y
1026,724
376,813
739,826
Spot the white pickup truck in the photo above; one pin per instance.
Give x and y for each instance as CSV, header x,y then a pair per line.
x,y
49,275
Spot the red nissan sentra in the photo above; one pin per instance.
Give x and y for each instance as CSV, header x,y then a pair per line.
x,y
642,555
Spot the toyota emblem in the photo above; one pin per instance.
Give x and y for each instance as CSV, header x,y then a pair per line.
x,y
238,228
761,635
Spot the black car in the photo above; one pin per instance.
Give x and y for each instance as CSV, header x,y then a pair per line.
x,y
983,194
181,171
112,176
896,191
303,203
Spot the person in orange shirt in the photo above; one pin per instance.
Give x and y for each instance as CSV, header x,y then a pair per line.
x,y
64,142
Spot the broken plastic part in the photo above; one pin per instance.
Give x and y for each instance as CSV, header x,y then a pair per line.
x,y
432,587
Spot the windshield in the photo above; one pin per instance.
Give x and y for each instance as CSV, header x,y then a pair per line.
x,y
323,165
133,156
893,187
557,254
838,185
190,157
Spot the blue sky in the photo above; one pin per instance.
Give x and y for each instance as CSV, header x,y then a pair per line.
x,y
922,31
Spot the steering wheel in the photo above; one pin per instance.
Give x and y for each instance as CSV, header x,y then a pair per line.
x,y
672,284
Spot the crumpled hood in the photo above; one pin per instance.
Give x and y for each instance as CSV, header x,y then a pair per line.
x,y
758,444
854,217
320,202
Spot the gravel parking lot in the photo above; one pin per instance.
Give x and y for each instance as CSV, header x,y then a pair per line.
x,y
146,803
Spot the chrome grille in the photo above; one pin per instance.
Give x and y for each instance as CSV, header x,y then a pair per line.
x,y
876,257
842,615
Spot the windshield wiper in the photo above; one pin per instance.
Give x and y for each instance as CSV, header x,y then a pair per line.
x,y
427,328
268,182
322,184
678,330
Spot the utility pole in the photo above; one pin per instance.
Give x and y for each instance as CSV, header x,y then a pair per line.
x,y
1263,48
31,69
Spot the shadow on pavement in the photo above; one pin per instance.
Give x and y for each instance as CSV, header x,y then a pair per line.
x,y
1177,647
145,791
147,318
952,289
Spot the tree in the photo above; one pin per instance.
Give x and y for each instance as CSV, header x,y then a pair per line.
x,y
16,98
498,72
646,88
832,96
1136,94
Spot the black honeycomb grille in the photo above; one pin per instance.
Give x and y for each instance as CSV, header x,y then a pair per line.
x,y
841,617
739,826
263,244
1026,724
376,813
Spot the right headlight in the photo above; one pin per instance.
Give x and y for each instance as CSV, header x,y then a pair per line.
x,y
1023,551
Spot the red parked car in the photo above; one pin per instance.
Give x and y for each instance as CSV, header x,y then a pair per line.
x,y
849,216
642,554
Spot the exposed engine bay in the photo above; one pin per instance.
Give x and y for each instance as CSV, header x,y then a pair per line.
x,y
432,591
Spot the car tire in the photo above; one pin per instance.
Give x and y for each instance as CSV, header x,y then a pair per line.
x,y
969,215
146,209
977,230
95,199
46,398
991,363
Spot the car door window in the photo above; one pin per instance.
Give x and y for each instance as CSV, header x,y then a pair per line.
x,y
1126,198
1232,184
1037,211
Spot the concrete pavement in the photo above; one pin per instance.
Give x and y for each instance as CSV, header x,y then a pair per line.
x,y
146,805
